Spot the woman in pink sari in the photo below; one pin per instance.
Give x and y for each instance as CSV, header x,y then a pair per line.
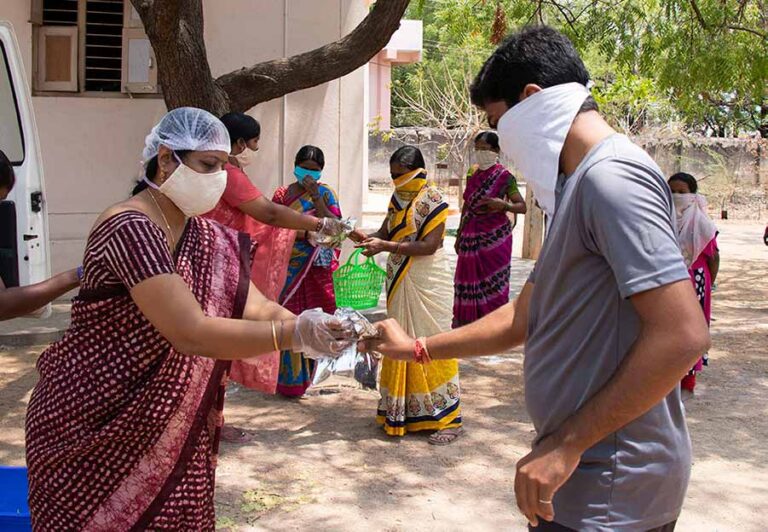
x,y
271,226
484,239
122,429
697,236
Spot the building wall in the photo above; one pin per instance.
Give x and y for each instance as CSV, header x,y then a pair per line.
x,y
91,147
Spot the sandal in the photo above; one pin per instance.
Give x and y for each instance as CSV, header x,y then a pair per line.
x,y
232,434
445,436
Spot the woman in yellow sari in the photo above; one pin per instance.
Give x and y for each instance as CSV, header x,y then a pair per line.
x,y
416,396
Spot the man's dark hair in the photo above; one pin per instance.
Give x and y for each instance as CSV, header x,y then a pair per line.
x,y
7,175
540,55
688,179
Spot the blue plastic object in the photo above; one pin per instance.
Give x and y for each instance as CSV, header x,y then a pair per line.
x,y
14,511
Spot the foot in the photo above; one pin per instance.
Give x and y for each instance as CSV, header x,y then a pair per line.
x,y
232,434
446,436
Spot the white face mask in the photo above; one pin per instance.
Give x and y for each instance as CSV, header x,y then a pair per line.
x,y
192,192
245,158
532,134
485,159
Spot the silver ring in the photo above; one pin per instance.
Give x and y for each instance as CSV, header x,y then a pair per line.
x,y
542,501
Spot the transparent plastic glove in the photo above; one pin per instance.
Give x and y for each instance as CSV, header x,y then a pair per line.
x,y
318,334
332,227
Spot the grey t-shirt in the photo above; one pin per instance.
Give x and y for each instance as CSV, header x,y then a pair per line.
x,y
611,237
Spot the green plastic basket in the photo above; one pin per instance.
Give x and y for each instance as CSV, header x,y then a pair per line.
x,y
358,285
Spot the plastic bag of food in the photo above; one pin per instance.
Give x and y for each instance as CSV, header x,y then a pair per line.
x,y
328,241
363,367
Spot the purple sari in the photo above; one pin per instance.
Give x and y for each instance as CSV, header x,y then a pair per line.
x,y
484,249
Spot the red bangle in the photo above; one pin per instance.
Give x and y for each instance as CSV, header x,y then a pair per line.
x,y
420,351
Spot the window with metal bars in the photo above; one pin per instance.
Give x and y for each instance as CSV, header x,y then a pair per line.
x,y
103,45
91,46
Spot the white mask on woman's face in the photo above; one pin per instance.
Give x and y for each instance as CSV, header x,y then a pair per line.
x,y
245,157
485,159
532,134
193,192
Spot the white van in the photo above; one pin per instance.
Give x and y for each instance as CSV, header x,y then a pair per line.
x,y
24,246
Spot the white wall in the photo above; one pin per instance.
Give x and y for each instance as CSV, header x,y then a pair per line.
x,y
92,146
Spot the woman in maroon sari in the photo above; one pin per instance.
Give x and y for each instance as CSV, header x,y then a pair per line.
x,y
484,239
123,426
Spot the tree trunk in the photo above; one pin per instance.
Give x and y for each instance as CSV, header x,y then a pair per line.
x,y
175,29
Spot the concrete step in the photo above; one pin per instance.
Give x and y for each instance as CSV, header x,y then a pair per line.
x,y
23,332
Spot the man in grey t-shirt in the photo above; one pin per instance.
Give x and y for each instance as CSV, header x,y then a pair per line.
x,y
609,318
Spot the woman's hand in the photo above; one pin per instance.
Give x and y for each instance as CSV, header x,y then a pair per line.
x,y
493,205
392,342
331,227
357,236
373,246
312,187
319,334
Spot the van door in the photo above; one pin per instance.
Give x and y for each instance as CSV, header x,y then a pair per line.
x,y
24,253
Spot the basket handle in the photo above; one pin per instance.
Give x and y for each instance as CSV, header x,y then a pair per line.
x,y
355,258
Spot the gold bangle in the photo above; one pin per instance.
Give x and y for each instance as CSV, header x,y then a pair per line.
x,y
274,336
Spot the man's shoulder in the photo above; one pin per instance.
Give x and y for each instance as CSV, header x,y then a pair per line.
x,y
622,168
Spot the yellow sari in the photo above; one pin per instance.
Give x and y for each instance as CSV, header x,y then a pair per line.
x,y
418,396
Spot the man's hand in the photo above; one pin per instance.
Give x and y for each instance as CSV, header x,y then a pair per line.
x,y
540,474
392,342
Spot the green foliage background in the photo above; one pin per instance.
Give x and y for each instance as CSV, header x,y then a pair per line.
x,y
699,65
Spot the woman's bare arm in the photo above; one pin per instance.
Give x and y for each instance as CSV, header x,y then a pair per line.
x,y
171,307
271,213
427,246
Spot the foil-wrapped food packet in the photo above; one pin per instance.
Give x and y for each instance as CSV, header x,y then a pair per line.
x,y
363,367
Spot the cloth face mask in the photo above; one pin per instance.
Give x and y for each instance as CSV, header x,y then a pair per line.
x,y
532,134
485,159
194,193
303,173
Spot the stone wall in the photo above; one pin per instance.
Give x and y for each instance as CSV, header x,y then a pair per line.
x,y
733,173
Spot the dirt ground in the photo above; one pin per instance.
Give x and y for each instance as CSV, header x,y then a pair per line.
x,y
321,463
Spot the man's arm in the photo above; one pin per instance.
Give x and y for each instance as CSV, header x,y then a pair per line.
x,y
499,331
20,301
673,336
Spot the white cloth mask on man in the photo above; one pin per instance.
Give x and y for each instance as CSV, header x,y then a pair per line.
x,y
532,134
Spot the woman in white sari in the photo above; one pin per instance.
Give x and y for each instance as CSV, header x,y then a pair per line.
x,y
417,396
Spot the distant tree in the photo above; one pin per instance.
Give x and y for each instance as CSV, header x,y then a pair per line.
x,y
703,62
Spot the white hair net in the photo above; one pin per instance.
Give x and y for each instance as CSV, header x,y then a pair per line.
x,y
187,128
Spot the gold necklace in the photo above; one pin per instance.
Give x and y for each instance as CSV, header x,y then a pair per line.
x,y
167,225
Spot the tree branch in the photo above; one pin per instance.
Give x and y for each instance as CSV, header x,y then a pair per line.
x,y
735,27
272,79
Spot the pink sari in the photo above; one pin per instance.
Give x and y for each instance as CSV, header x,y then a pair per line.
x,y
122,430
268,274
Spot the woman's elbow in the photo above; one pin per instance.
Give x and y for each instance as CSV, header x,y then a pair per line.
x,y
271,214
523,208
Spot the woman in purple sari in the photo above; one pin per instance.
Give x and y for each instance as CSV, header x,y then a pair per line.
x,y
123,427
484,239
